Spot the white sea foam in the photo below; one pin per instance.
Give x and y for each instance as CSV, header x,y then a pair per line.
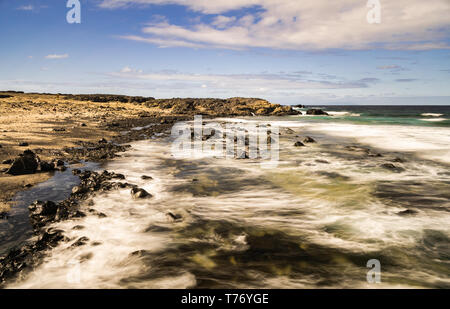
x,y
295,198
429,143
431,115
434,119
333,113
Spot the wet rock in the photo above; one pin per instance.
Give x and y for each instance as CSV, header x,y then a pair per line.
x,y
61,168
39,208
78,227
407,212
83,124
174,217
45,167
80,241
50,238
24,144
392,167
138,193
86,257
57,163
322,161
103,141
95,151
8,161
315,111
59,130
289,131
399,160
334,175
26,163
145,177
28,185
117,176
79,190
42,213
308,139
299,144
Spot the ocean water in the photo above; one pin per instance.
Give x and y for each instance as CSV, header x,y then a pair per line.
x,y
313,221
435,116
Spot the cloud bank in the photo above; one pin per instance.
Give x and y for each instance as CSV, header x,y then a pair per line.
x,y
299,25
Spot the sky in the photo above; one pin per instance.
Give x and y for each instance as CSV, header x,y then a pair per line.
x,y
287,51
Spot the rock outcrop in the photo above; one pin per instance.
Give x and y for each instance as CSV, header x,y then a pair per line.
x,y
316,112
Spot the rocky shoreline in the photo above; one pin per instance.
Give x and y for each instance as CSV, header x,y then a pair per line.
x,y
116,127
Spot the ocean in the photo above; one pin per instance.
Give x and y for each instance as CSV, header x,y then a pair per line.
x,y
374,186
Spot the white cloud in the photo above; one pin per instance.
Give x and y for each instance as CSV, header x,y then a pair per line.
x,y
223,21
127,69
248,82
302,25
26,7
56,56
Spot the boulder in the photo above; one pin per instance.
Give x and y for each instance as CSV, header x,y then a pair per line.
x,y
138,193
299,144
46,167
46,209
26,163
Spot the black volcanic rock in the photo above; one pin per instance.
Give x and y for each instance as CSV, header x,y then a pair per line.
x,y
26,163
315,111
138,193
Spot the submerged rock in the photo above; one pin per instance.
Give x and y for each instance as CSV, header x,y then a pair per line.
x,y
399,160
392,167
299,144
80,241
309,139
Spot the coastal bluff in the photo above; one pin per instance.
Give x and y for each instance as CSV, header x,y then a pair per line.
x,y
236,106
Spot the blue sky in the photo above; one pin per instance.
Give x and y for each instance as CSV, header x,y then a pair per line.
x,y
287,51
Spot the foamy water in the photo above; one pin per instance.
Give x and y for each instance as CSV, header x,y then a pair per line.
x,y
313,221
